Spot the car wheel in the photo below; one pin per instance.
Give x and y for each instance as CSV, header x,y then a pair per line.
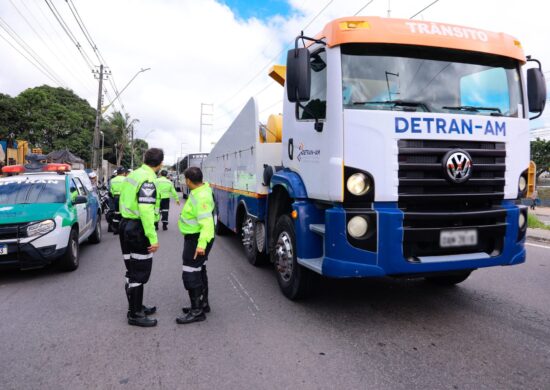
x,y
95,238
253,239
70,260
448,280
294,280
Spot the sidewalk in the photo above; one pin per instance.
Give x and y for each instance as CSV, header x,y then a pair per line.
x,y
543,214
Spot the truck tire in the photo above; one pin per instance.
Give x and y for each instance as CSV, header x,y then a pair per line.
x,y
448,280
70,260
250,229
294,280
95,237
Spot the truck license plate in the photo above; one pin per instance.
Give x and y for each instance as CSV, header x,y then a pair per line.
x,y
457,238
3,249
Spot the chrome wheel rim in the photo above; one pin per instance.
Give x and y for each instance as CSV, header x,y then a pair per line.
x,y
248,233
284,256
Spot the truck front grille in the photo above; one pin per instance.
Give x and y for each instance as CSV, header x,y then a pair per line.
x,y
422,183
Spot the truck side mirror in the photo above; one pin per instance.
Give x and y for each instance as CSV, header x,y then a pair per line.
x,y
298,75
536,89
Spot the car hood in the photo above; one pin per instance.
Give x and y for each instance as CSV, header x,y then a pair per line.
x,y
19,213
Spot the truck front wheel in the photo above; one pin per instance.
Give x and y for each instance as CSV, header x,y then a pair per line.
x,y
294,280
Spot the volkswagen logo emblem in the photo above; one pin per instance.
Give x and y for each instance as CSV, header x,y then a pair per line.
x,y
457,166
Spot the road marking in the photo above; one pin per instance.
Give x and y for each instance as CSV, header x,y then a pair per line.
x,y
537,245
243,293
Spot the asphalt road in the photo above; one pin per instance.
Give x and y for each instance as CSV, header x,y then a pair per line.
x,y
69,331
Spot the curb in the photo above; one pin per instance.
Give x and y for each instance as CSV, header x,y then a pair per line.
x,y
538,235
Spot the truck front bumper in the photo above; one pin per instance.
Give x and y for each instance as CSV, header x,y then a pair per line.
x,y
342,259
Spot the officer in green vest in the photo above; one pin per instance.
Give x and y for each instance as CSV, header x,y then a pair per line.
x,y
138,238
166,189
114,192
196,223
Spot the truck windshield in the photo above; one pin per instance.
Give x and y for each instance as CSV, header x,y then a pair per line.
x,y
424,79
24,190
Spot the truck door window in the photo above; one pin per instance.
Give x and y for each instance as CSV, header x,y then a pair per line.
x,y
316,107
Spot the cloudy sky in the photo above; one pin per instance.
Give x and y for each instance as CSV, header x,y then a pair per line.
x,y
207,51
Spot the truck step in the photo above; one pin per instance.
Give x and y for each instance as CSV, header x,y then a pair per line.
x,y
317,228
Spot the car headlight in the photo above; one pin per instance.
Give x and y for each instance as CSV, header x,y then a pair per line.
x,y
357,227
358,184
521,220
40,228
522,184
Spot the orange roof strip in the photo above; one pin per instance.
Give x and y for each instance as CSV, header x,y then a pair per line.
x,y
240,192
422,33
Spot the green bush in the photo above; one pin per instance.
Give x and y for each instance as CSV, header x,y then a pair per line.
x,y
534,223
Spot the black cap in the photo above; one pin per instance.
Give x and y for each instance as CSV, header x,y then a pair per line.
x,y
121,171
164,172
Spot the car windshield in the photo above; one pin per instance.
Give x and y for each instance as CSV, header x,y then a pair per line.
x,y
403,78
25,190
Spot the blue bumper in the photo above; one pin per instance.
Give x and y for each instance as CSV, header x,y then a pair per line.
x,y
341,259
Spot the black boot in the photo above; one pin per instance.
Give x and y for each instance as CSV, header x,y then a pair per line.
x,y
156,226
196,313
145,309
136,316
204,303
165,226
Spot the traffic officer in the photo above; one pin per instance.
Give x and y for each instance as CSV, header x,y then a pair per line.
x,y
196,223
114,192
138,238
166,189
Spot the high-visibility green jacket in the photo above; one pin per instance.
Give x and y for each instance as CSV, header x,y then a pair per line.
x,y
166,188
116,185
138,198
197,215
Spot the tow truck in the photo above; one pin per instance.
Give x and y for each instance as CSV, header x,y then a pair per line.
x,y
45,214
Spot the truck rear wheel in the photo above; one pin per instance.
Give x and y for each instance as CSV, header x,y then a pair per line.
x,y
294,280
448,280
253,239
70,260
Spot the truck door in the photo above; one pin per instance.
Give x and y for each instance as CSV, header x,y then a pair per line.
x,y
316,155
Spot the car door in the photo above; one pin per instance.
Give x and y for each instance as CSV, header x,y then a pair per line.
x,y
83,210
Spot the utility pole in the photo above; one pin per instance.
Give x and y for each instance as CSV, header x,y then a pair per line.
x,y
204,114
100,75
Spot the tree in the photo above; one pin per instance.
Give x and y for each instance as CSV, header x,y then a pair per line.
x,y
540,154
119,126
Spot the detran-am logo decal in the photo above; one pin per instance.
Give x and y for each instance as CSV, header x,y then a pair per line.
x,y
308,155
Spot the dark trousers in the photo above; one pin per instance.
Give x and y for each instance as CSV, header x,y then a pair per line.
x,y
164,208
194,270
137,259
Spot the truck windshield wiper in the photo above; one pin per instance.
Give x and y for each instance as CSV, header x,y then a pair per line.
x,y
410,104
496,110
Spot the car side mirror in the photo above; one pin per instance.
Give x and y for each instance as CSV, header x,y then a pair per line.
x,y
80,200
298,75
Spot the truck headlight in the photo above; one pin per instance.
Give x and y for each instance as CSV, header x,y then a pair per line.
x,y
358,184
357,227
522,184
521,221
40,228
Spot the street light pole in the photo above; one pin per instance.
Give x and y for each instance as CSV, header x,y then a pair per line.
x,y
123,89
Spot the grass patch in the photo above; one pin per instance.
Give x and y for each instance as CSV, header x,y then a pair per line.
x,y
534,223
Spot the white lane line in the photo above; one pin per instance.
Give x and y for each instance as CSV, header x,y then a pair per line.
x,y
537,245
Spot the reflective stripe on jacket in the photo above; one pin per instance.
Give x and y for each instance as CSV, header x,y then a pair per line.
x,y
116,185
138,198
166,188
196,215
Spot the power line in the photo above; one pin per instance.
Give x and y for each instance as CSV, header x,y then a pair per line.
x,y
28,59
39,36
21,42
276,57
363,7
423,9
